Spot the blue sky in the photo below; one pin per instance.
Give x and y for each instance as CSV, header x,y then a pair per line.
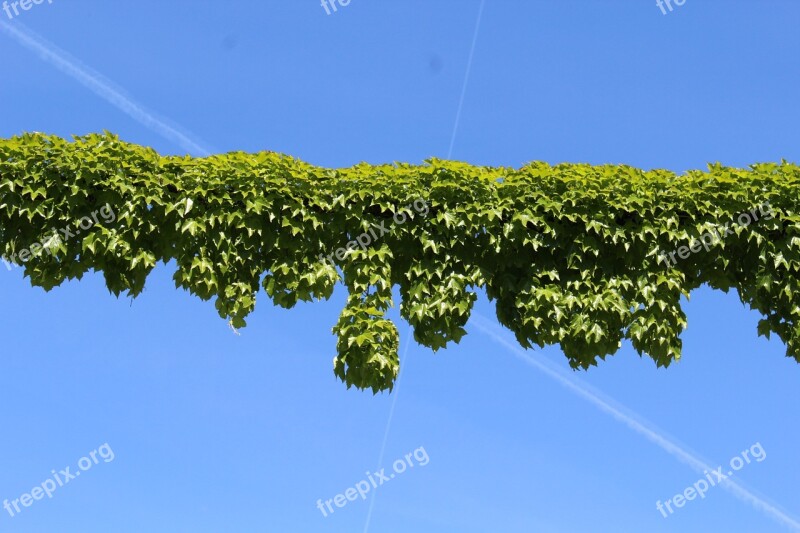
x,y
216,432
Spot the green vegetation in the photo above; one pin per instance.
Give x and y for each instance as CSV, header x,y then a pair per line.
x,y
570,253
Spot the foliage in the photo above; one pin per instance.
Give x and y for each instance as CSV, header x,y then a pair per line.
x,y
568,252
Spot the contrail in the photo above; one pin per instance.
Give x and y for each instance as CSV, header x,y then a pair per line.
x,y
404,360
633,421
409,335
101,86
466,79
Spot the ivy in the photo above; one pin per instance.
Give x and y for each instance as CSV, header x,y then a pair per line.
x,y
569,253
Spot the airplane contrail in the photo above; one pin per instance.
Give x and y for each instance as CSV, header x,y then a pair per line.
x,y
409,335
633,421
99,85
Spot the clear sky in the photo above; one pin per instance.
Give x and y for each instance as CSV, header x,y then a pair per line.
x,y
213,432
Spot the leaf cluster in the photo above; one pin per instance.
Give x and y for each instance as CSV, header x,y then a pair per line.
x,y
569,253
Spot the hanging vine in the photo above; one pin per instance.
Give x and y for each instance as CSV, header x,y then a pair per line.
x,y
577,255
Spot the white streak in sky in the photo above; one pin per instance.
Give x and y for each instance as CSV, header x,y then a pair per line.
x,y
633,421
99,85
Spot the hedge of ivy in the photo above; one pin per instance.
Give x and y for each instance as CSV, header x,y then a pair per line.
x,y
571,254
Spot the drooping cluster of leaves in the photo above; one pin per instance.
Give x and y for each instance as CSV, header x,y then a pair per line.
x,y
570,253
